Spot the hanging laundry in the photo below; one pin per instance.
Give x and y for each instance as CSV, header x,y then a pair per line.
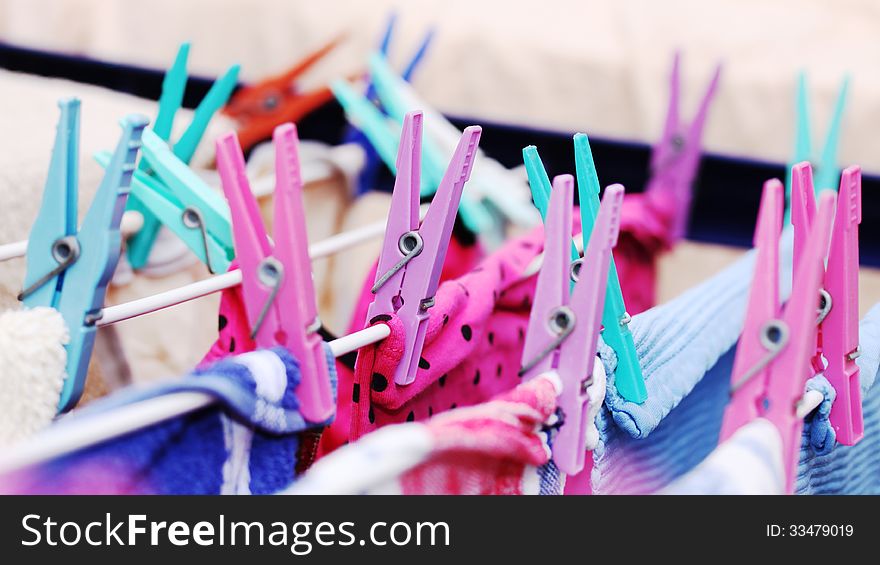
x,y
473,344
247,443
497,447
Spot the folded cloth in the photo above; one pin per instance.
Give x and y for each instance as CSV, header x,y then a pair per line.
x,y
32,370
497,447
246,443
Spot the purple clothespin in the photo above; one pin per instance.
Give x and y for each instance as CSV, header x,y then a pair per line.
x,y
675,157
412,255
563,332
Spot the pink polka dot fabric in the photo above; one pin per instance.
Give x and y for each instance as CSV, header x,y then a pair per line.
x,y
472,349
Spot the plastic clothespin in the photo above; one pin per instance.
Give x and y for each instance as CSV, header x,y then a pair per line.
x,y
412,257
260,107
180,200
838,335
827,171
277,286
676,156
773,358
68,268
491,181
353,135
140,244
383,132
629,380
563,330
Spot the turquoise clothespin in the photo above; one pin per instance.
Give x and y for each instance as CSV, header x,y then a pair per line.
x,y
628,376
384,134
826,169
69,269
183,202
170,101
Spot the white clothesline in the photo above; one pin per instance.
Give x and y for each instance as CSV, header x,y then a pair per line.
x,y
67,437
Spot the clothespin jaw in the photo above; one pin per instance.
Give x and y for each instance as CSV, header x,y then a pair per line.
x,y
840,328
676,155
773,359
260,107
563,331
71,272
548,321
827,171
577,353
628,376
277,285
412,256
52,241
140,244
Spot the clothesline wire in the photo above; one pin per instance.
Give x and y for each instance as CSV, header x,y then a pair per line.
x,y
67,437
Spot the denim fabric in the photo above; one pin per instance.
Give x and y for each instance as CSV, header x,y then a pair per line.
x,y
246,443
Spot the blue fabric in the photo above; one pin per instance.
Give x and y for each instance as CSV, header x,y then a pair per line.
x,y
643,450
678,342
827,468
245,443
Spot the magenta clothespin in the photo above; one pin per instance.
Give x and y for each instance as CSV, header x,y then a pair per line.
x,y
412,255
563,332
837,344
277,286
676,155
773,358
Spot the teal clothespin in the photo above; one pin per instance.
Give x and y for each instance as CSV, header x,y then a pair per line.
x,y
69,269
170,101
628,376
491,181
183,202
826,169
384,134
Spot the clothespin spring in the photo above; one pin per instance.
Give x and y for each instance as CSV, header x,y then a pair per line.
x,y
65,251
561,322
193,219
271,274
774,336
411,245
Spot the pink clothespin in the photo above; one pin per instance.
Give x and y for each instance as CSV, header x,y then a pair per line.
x,y
838,336
564,331
277,286
676,155
773,357
412,255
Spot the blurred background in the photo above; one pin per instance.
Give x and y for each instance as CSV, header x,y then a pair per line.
x,y
529,73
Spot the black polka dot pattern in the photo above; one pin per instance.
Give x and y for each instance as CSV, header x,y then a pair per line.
x,y
371,415
411,416
231,344
466,332
442,381
379,382
477,377
221,322
423,364
491,338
